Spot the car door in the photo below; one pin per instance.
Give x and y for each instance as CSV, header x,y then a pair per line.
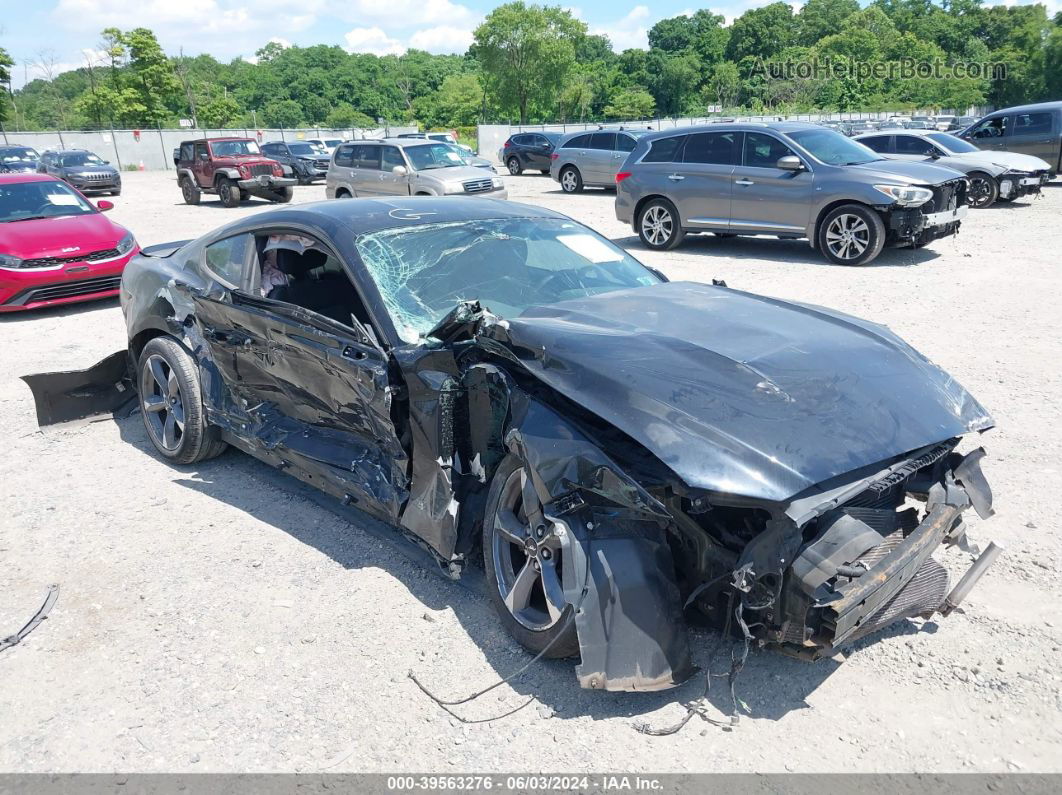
x,y
365,172
624,146
305,392
539,151
598,159
765,197
701,183
201,165
1036,133
914,148
392,184
882,144
992,133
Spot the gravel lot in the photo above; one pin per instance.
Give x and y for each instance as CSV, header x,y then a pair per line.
x,y
223,618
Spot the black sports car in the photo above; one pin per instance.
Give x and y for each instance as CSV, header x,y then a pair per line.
x,y
624,449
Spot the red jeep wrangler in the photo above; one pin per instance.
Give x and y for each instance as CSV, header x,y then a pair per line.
x,y
233,168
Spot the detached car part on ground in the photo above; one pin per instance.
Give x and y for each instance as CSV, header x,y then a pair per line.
x,y
620,448
234,169
788,179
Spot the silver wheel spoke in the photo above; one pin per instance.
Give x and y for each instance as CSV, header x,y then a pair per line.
x,y
173,388
519,595
551,587
159,375
169,431
177,412
532,506
154,403
509,526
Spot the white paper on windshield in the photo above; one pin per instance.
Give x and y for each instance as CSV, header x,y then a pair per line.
x,y
590,248
63,199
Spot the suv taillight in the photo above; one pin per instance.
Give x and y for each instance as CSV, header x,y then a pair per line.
x,y
622,175
508,143
554,156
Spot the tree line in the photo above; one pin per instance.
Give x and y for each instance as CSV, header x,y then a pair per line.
x,y
531,63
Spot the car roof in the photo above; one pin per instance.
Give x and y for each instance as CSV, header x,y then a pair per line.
x,y
221,138
737,126
7,179
402,142
1055,105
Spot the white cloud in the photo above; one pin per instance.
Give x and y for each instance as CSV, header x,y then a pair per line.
x,y
629,32
404,14
373,40
442,39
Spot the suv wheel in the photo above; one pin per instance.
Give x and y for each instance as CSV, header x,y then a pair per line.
x,y
522,558
851,234
190,191
983,190
571,180
228,192
282,195
171,404
659,226
513,164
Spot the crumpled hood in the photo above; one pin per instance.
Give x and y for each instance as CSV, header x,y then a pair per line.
x,y
738,393
905,172
1012,161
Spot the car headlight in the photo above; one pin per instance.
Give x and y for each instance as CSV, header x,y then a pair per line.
x,y
906,195
126,244
497,182
7,261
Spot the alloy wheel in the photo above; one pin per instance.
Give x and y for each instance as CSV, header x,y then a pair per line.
x,y
527,556
847,236
569,181
161,402
657,225
514,166
980,191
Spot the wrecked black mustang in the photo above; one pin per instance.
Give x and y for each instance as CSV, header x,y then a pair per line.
x,y
623,449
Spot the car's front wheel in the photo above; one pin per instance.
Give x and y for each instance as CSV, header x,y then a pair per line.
x,y
282,195
522,558
228,192
190,191
171,404
571,180
514,166
851,234
983,190
659,226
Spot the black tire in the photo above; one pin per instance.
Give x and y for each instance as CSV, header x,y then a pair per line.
x,y
171,404
228,192
560,635
659,225
116,193
514,165
343,194
190,191
724,235
571,181
852,234
984,190
245,195
545,170
303,181
282,195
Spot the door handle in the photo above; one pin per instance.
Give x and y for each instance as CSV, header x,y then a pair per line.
x,y
675,177
744,182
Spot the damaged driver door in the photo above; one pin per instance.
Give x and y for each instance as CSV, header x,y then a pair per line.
x,y
309,394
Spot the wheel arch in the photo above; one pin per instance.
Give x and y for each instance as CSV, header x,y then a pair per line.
x,y
646,199
829,208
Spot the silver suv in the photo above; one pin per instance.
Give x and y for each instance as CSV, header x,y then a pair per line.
x,y
591,158
407,167
787,179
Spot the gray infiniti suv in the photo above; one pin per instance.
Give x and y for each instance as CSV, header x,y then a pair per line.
x,y
407,167
787,179
592,158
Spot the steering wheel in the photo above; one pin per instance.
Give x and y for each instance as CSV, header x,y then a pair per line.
x,y
45,209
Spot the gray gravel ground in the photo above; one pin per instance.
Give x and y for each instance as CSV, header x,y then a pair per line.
x,y
220,618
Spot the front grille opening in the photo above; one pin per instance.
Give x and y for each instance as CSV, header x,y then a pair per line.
x,y
55,292
478,185
50,262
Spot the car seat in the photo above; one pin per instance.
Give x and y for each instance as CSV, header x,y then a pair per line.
x,y
330,294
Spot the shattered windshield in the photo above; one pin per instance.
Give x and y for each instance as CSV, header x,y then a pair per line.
x,y
508,265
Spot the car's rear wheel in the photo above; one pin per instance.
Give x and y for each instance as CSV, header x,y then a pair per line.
x,y
190,191
514,166
851,235
659,226
171,404
571,180
983,190
228,192
522,557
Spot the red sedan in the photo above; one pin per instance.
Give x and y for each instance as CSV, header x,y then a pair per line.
x,y
56,247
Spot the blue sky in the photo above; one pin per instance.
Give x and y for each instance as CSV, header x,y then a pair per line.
x,y
64,32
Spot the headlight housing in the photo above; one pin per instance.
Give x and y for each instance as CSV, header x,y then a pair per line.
x,y
126,244
497,182
906,195
7,261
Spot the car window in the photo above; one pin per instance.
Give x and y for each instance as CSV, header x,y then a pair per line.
x,y
425,157
367,156
232,148
578,142
539,140
991,128
270,149
392,157
712,148
879,143
344,155
602,140
187,151
226,260
304,149
81,159
763,151
21,201
624,143
521,140
200,149
1032,123
423,272
913,145
953,144
664,150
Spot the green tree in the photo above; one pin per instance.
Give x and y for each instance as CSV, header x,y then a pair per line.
x,y
5,80
282,113
344,116
631,104
151,75
762,32
219,112
724,86
525,52
820,18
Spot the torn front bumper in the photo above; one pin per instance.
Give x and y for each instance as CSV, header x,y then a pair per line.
x,y
1018,184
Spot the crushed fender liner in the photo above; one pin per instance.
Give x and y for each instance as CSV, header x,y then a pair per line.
x,y
79,394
